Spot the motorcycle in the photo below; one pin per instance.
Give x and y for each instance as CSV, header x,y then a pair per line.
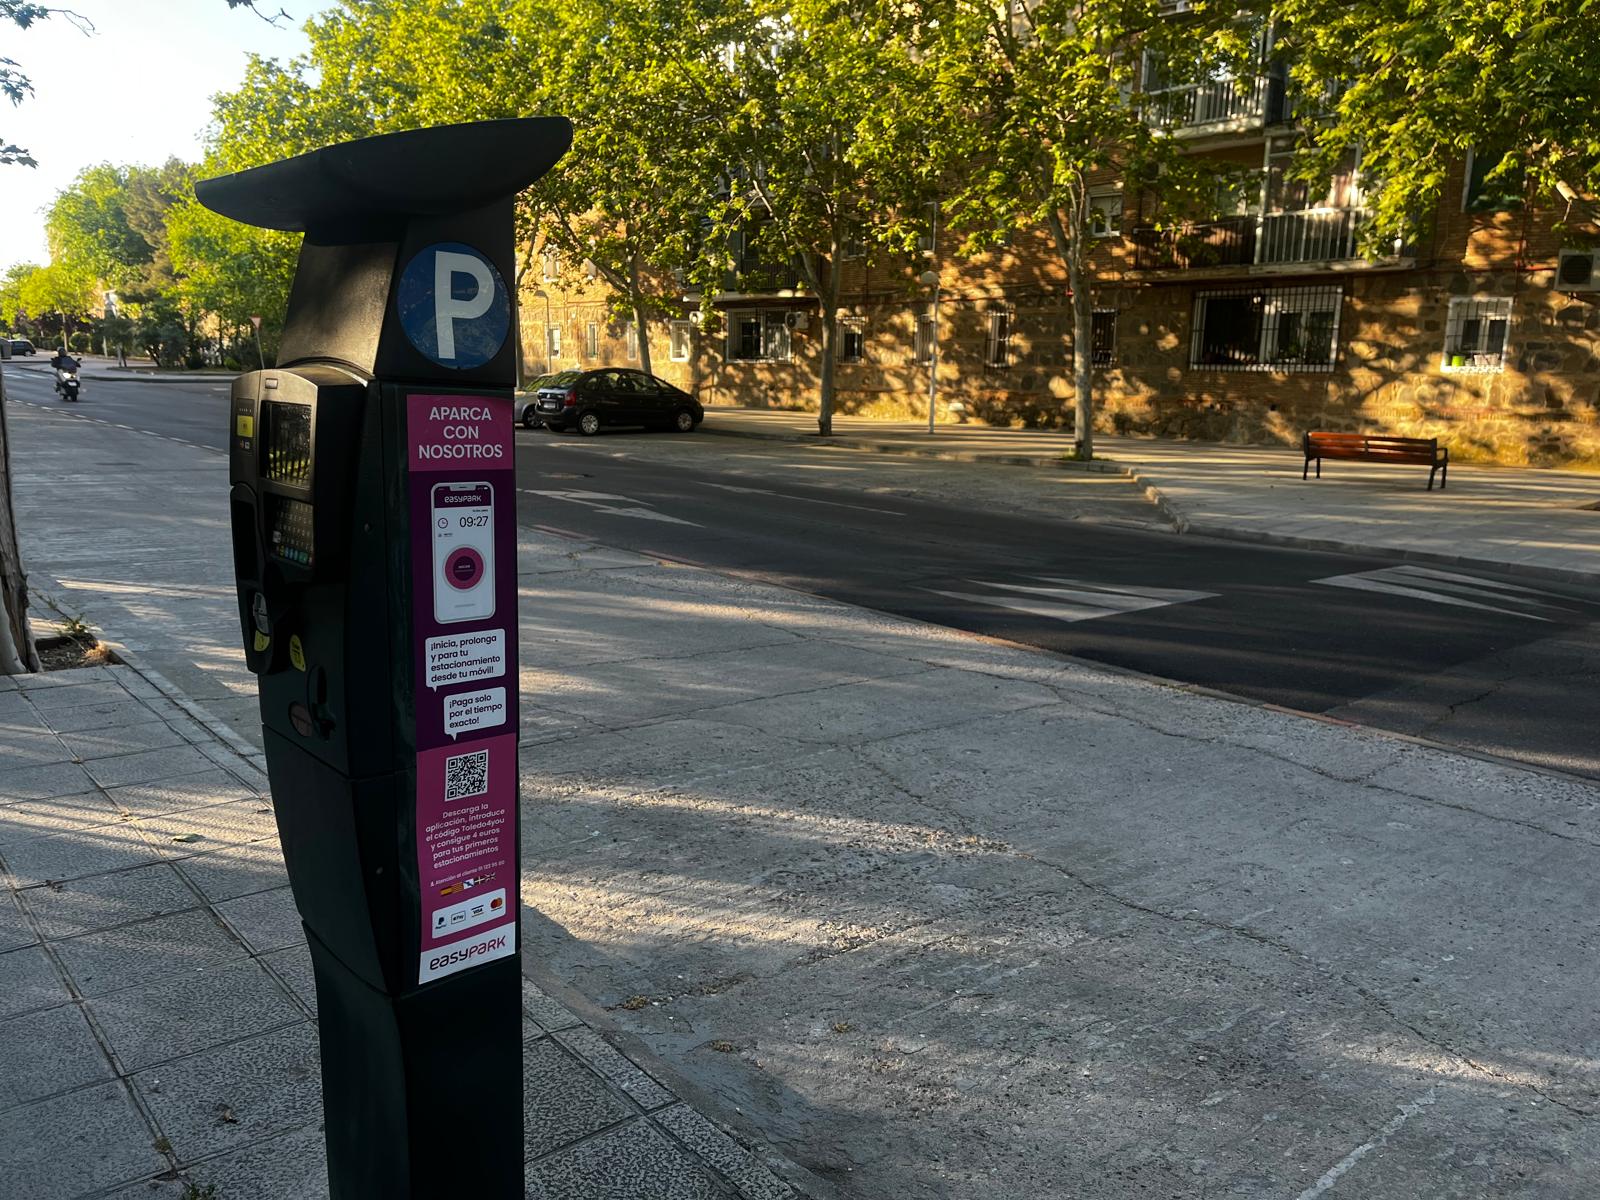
x,y
67,383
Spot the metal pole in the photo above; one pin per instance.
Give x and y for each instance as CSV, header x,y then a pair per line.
x,y
933,333
547,359
933,360
260,357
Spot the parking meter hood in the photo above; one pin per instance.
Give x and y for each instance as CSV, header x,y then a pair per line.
x,y
373,208
414,173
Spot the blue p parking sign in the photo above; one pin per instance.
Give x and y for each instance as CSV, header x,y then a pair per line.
x,y
453,305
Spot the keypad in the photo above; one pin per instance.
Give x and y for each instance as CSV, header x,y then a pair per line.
x,y
290,525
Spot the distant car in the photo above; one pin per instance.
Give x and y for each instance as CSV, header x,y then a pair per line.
x,y
21,346
616,396
528,403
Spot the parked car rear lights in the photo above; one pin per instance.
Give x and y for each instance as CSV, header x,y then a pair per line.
x,y
571,399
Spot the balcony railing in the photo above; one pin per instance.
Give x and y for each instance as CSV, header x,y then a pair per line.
x,y
1219,104
1312,235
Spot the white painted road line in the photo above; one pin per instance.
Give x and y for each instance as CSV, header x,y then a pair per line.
x,y
600,502
1080,602
1447,587
729,487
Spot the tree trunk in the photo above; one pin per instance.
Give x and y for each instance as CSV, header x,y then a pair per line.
x,y
1070,245
641,319
1082,353
825,395
17,653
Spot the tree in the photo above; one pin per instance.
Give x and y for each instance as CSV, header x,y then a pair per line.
x,y
62,289
816,106
1416,84
1038,99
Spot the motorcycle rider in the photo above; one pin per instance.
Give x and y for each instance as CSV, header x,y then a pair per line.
x,y
65,366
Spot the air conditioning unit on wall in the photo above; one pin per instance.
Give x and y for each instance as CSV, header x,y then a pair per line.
x,y
1578,271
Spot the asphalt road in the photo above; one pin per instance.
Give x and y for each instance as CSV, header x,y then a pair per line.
x,y
1493,662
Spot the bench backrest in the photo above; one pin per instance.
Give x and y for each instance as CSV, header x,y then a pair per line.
x,y
1373,444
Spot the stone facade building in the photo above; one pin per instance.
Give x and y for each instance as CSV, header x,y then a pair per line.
x,y
1253,327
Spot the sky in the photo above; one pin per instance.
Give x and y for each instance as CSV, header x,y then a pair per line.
x,y
137,90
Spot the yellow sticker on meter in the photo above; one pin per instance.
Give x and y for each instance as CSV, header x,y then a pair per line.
x,y
245,425
262,642
297,653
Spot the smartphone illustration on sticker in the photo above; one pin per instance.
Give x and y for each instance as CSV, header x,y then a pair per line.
x,y
462,516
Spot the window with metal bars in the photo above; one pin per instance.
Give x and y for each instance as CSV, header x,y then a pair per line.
x,y
1476,333
997,346
552,340
552,264
1103,337
591,340
757,336
633,341
1266,329
923,345
678,347
852,340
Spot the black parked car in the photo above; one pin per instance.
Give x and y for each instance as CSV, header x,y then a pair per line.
x,y
616,396
21,346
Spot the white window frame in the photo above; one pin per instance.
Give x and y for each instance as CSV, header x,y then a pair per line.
x,y
552,341
774,343
856,326
997,340
631,337
550,258
1096,207
679,340
1477,359
591,340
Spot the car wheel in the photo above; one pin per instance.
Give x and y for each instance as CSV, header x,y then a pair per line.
x,y
683,421
589,424
530,419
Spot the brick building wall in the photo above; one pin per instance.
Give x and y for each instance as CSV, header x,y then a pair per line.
x,y
1389,370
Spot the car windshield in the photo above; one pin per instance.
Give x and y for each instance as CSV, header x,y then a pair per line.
x,y
564,379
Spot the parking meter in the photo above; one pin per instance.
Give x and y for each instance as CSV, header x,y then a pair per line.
x,y
373,513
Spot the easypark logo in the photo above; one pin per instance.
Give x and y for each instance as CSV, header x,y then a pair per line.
x,y
486,947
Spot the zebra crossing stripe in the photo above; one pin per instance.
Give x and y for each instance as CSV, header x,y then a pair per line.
x,y
1446,587
1072,599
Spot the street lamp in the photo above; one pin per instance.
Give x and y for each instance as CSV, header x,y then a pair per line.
x,y
931,278
541,294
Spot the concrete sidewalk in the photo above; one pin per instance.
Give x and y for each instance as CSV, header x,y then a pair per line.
x,y
157,1011
1537,522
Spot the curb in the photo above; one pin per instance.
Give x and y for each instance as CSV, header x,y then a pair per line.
x,y
136,377
1175,516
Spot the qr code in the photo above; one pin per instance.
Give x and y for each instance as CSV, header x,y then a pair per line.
x,y
466,775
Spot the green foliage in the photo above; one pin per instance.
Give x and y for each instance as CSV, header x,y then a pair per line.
x,y
1418,83
1038,101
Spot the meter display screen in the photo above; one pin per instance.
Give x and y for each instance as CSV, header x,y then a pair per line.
x,y
286,442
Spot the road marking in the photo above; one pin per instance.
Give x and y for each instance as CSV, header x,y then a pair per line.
x,y
1392,1127
601,502
729,487
1447,587
1078,600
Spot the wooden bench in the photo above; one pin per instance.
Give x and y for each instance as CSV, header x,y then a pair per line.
x,y
1424,452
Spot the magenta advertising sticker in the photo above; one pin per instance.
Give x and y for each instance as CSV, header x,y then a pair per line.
x,y
463,561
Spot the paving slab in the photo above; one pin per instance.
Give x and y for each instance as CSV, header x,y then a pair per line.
x,y
76,1144
49,1051
236,1094
179,945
